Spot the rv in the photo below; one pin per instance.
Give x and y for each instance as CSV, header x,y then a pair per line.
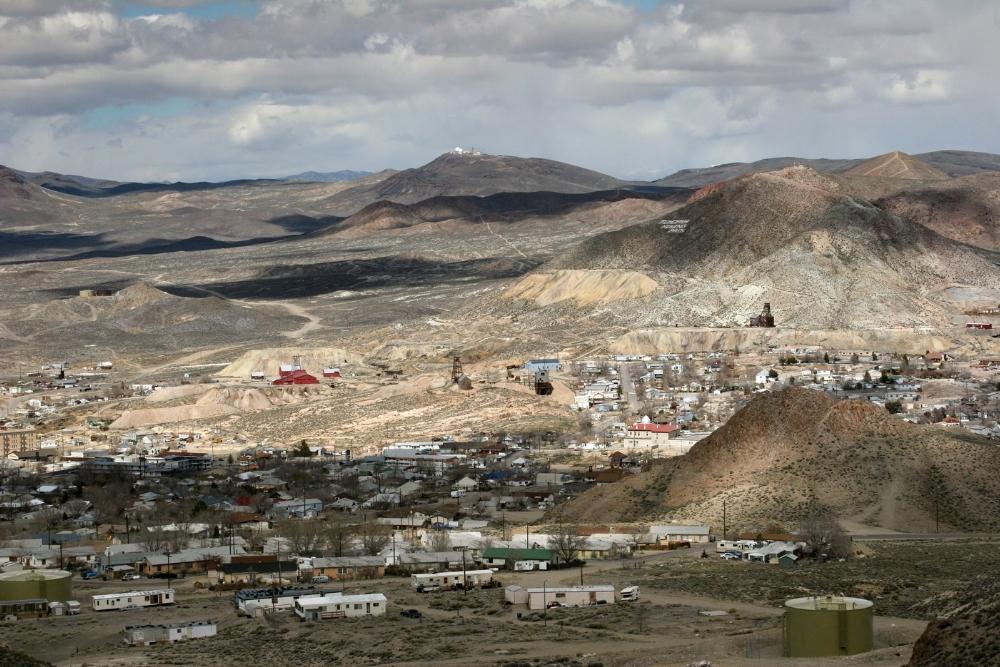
x,y
629,594
132,600
735,545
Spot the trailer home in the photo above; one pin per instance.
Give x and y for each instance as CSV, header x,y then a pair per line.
x,y
572,596
338,605
447,581
132,600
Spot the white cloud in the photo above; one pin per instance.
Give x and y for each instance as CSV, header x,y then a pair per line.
x,y
375,83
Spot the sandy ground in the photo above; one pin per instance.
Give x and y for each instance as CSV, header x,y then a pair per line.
x,y
475,629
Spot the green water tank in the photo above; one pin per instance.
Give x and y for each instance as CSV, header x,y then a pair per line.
x,y
826,626
51,585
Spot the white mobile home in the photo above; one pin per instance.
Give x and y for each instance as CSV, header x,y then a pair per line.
x,y
146,635
573,596
132,599
446,581
735,545
338,605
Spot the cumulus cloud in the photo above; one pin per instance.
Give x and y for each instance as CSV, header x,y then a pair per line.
x,y
377,83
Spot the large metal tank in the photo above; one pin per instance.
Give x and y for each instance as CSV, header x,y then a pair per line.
x,y
51,585
822,626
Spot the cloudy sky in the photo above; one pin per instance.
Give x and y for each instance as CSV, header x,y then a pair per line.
x,y
190,89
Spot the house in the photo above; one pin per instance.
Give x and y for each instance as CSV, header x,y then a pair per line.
x,y
571,596
466,484
509,556
187,560
666,533
430,561
254,568
331,373
298,508
552,478
344,568
256,602
338,605
296,377
146,635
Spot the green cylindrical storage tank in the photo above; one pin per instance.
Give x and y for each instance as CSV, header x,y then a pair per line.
x,y
822,626
51,585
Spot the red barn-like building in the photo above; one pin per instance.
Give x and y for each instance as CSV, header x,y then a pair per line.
x,y
296,377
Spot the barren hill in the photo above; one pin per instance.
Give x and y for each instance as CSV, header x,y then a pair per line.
x,y
144,317
966,209
789,445
453,174
823,258
504,207
897,165
967,629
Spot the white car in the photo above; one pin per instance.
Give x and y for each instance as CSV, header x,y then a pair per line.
x,y
731,556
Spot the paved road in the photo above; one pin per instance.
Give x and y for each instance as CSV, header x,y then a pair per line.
x,y
628,387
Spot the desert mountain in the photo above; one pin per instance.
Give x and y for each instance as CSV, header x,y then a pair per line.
x,y
469,174
822,258
786,447
950,163
897,165
966,209
327,176
508,207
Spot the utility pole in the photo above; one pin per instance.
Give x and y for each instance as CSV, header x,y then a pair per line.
x,y
545,605
724,531
465,577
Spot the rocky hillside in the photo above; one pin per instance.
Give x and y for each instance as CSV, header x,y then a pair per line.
x,y
897,165
967,632
966,209
452,174
797,239
786,447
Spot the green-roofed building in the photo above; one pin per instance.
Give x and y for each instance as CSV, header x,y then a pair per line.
x,y
502,556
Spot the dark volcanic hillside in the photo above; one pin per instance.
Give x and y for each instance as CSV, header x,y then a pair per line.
x,y
505,207
454,174
824,259
789,445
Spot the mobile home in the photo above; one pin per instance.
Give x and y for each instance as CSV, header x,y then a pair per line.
x,y
572,596
446,581
132,599
338,605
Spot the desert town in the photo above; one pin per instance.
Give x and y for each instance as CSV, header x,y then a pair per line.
x,y
111,504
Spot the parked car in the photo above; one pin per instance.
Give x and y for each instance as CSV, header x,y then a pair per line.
x,y
131,576
555,605
90,574
729,555
411,613
321,579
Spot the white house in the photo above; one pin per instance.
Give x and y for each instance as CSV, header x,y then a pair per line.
x,y
338,605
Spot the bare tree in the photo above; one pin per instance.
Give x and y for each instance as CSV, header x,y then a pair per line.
x,y
822,532
337,533
374,538
305,536
566,542
440,541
